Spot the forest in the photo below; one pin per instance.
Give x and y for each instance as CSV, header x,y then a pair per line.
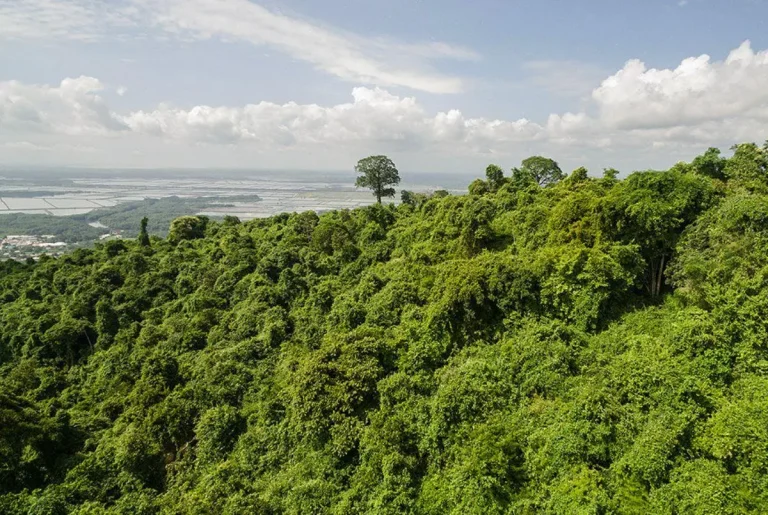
x,y
547,343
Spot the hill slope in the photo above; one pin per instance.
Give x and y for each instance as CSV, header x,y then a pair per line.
x,y
594,346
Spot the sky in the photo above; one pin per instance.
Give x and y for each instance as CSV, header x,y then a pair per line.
x,y
438,85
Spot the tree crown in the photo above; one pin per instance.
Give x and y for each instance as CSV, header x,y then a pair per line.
x,y
379,174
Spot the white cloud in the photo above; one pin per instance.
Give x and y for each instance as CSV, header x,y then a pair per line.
x,y
431,50
348,56
659,115
697,91
374,116
34,19
72,108
701,102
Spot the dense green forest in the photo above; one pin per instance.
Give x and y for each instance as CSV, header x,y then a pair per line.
x,y
548,343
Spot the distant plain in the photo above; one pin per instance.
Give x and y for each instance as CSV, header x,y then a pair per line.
x,y
75,192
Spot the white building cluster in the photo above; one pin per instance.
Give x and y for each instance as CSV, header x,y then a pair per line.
x,y
26,245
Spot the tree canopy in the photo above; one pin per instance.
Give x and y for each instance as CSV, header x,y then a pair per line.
x,y
543,170
585,345
143,234
379,174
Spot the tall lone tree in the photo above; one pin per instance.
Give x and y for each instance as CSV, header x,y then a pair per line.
x,y
379,174
143,234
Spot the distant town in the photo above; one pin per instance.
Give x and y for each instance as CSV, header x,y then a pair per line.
x,y
25,246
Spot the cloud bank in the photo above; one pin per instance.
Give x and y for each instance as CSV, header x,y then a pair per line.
x,y
72,108
671,112
697,91
374,116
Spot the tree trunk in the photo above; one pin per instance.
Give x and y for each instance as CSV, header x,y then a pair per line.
x,y
659,276
656,276
651,284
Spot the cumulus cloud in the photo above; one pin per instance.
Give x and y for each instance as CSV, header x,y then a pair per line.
x,y
374,116
346,55
700,103
72,108
698,90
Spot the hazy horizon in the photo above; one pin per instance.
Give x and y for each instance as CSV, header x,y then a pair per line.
x,y
453,181
438,86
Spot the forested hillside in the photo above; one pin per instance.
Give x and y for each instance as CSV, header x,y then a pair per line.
x,y
540,345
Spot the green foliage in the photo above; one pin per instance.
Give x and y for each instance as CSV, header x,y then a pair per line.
x,y
592,346
710,164
379,174
478,187
651,209
187,228
748,167
543,170
217,433
143,234
578,175
495,176
408,198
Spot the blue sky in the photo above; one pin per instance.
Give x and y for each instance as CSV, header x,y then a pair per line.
x,y
444,85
